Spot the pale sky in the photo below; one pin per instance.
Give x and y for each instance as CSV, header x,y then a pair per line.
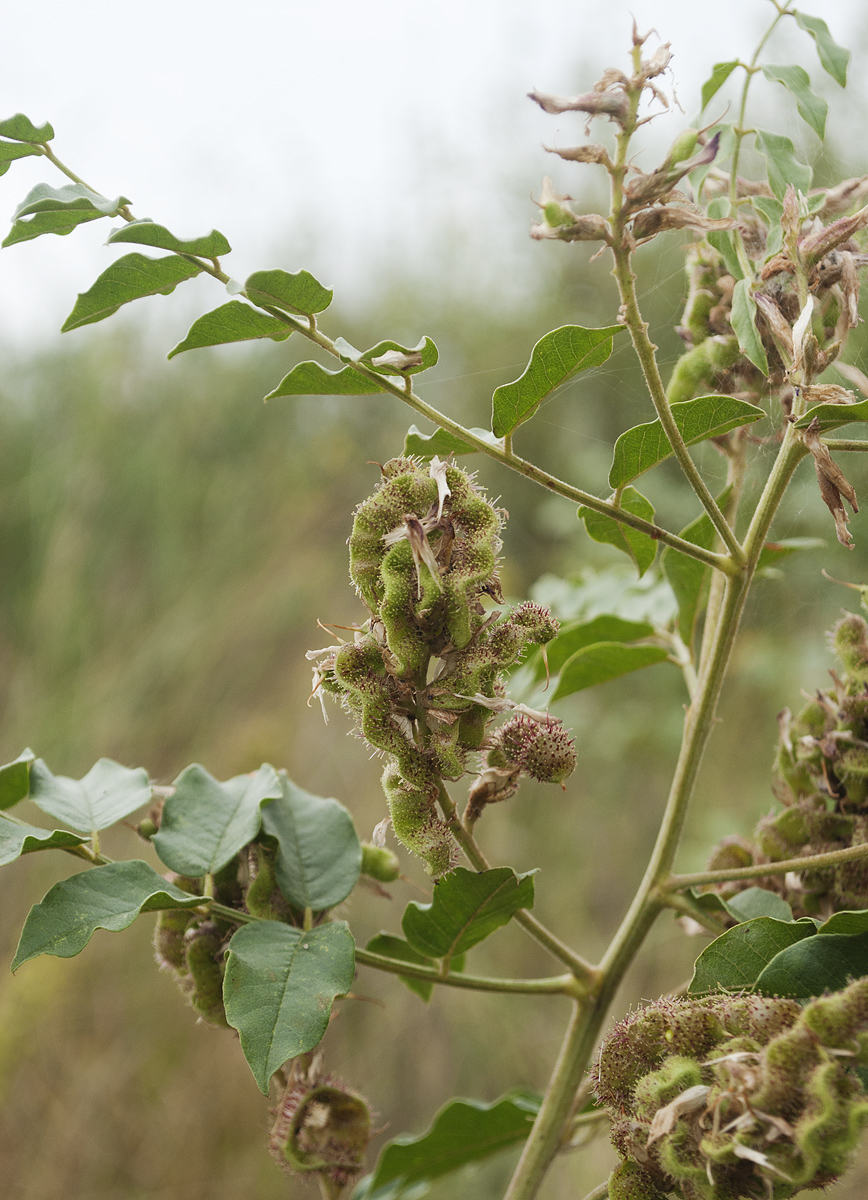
x,y
330,134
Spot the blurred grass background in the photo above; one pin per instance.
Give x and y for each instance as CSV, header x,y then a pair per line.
x,y
168,545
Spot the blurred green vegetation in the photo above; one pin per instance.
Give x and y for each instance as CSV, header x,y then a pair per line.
x,y
168,545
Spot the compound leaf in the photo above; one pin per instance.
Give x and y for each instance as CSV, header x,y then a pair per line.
x,y
108,897
834,58
602,662
426,445
15,779
467,907
642,447
148,233
22,129
107,793
554,359
737,958
319,856
639,546
279,987
130,278
833,416
232,322
783,166
720,72
463,1132
744,326
812,108
310,379
205,822
296,292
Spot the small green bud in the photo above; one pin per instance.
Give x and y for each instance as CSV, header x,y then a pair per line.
x,y
380,863
683,146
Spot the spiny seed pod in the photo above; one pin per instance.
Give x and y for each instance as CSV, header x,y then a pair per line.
x,y
169,947
850,641
416,824
322,1127
630,1182
543,749
380,863
204,949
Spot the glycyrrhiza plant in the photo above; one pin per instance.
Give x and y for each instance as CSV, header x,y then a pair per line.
x,y
749,1084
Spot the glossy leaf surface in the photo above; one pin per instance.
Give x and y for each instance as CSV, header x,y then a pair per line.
x,y
554,359
232,322
148,233
108,897
205,822
130,278
279,987
467,907
107,793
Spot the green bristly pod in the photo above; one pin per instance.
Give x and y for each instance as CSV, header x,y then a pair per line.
x,y
447,754
169,948
542,749
731,853
416,824
204,946
698,370
472,725
629,1182
851,879
850,642
263,897
406,487
360,667
380,863
321,1127
661,1087
397,611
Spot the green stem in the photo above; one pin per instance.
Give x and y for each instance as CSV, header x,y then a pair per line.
x,y
740,131
847,445
599,1193
556,985
688,907
832,858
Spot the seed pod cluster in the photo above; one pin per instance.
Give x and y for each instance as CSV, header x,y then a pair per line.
x,y
422,678
821,779
722,1097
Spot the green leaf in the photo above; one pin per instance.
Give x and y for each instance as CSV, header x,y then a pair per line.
x,y
310,379
772,212
467,907
205,823
758,902
744,325
58,210
602,662
607,628
394,947
17,839
639,546
319,856
848,923
833,416
296,293
426,445
148,233
725,146
22,129
688,577
812,108
463,1132
109,897
738,957
15,779
398,359
106,793
130,278
9,151
774,552
554,359
232,322
818,964
644,446
720,72
834,58
783,166
279,987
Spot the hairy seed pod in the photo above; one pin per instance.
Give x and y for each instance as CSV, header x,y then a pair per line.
x,y
416,824
321,1127
169,948
630,1182
263,896
697,371
850,641
204,948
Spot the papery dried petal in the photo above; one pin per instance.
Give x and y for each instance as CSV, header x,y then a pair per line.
x,y
590,153
817,245
777,323
597,104
397,360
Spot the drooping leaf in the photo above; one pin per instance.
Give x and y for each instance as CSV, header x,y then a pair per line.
x,y
738,957
743,318
394,947
607,628
774,552
109,897
9,151
467,907
130,278
205,822
554,359
723,240
17,839
463,1132
687,576
232,322
319,856
642,447
783,166
279,987
310,379
812,108
426,445
15,779
602,662
833,416
148,233
834,58
58,210
720,72
22,129
107,793
391,358
771,211
815,965
633,542
296,292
